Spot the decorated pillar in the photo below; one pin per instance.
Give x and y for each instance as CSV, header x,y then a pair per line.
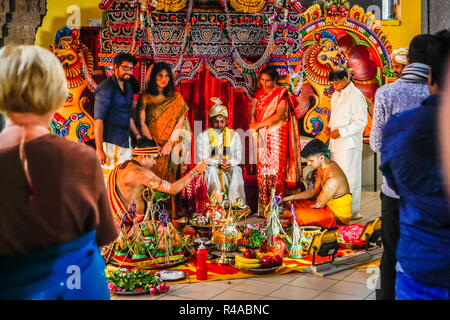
x,y
74,119
4,10
20,20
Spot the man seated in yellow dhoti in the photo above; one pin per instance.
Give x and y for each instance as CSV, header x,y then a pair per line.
x,y
220,147
128,181
330,203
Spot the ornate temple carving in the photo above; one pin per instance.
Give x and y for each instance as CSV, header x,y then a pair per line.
x,y
73,121
4,10
19,20
248,6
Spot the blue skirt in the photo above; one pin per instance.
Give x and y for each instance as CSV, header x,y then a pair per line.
x,y
73,270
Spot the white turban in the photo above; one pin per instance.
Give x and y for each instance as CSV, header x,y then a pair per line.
x,y
218,108
400,56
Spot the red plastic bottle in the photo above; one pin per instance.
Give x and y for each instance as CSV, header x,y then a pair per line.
x,y
202,256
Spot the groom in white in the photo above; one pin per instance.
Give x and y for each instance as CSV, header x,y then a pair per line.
x,y
221,148
346,126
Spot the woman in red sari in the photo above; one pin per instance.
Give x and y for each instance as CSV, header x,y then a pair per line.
x,y
278,143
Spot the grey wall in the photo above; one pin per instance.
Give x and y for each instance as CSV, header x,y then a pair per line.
x,y
435,15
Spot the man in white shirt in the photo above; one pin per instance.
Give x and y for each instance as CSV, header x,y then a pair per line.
x,y
221,148
346,126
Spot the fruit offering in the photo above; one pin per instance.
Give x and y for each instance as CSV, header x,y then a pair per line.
x,y
252,259
268,260
247,263
277,247
250,254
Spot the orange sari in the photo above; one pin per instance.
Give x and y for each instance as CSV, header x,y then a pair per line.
x,y
279,161
161,119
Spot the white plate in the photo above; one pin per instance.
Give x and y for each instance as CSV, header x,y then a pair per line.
x,y
171,275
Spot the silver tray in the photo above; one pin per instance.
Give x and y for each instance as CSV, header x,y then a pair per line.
x,y
259,270
131,293
171,275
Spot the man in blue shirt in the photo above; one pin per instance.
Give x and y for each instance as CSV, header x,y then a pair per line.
x,y
113,114
406,93
411,164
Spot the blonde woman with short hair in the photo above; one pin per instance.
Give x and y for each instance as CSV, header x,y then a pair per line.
x,y
54,208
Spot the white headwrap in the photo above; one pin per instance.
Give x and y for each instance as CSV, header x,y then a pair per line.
x,y
400,56
218,108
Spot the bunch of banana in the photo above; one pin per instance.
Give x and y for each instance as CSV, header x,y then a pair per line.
x,y
246,263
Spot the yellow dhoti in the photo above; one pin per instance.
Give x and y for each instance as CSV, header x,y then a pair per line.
x,y
342,208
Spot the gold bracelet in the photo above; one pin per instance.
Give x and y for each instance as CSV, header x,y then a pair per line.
x,y
193,173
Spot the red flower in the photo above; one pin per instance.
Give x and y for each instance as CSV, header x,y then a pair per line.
x,y
111,287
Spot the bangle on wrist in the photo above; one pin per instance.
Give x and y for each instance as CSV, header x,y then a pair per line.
x,y
193,173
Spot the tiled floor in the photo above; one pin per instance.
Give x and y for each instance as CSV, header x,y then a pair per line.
x,y
346,285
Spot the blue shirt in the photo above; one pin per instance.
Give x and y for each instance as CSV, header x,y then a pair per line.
x,y
113,106
412,166
391,99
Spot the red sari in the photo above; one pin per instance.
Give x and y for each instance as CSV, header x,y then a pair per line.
x,y
279,161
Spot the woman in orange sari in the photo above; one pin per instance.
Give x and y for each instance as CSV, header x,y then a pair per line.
x,y
162,112
278,144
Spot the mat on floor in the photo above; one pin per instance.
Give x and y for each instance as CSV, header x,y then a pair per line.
x,y
227,272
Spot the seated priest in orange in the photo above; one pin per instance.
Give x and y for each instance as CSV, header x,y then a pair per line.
x,y
330,203
128,182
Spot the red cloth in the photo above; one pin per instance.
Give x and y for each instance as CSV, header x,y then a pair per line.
x,y
197,94
194,198
351,233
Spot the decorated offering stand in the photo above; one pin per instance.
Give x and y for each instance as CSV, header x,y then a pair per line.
x,y
150,244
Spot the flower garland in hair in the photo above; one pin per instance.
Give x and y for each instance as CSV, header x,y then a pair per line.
x,y
239,62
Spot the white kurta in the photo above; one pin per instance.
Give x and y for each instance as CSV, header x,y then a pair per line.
x,y
233,181
349,116
115,155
